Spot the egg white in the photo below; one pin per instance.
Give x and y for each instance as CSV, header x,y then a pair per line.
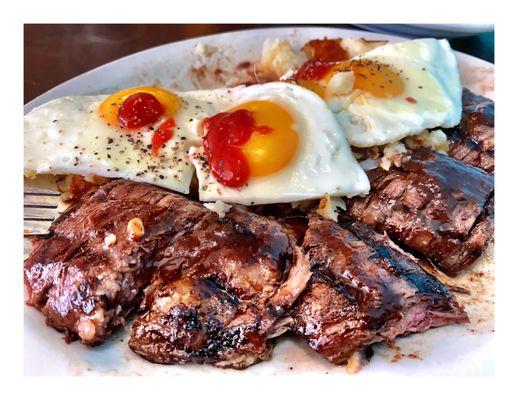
x,y
323,164
67,136
431,77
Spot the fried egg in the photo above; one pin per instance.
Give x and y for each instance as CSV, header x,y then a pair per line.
x,y
393,91
142,134
273,143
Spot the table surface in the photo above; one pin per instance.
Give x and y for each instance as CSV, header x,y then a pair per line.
x,y
56,53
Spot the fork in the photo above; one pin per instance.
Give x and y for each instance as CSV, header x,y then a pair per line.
x,y
40,208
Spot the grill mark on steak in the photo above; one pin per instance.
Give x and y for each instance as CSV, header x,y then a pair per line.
x,y
221,290
365,290
87,289
433,206
473,141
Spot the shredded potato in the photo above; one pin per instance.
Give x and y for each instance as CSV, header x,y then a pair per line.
x,y
280,58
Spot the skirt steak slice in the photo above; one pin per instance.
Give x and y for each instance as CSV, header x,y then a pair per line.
x,y
221,292
89,274
433,206
365,290
473,140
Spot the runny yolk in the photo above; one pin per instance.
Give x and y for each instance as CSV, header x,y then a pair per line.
x,y
252,140
378,79
269,152
136,107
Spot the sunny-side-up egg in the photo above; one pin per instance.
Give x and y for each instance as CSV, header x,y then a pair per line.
x,y
273,143
391,92
142,134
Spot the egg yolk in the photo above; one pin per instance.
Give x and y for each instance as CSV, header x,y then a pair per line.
x,y
377,79
138,106
254,139
269,152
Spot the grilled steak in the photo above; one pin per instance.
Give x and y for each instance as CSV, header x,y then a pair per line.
x,y
473,141
364,290
221,292
433,206
90,273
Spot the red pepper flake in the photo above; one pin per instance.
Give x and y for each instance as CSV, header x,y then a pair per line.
x,y
411,100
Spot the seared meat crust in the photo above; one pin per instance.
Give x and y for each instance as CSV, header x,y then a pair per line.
x,y
88,275
220,293
365,290
473,140
433,206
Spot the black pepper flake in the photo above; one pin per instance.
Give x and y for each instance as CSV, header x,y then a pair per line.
x,y
109,156
110,140
54,120
161,176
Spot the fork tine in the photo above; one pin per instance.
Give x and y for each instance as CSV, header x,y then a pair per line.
x,y
40,209
31,217
29,190
41,234
40,205
36,228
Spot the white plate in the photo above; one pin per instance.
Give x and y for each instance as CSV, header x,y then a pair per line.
x,y
452,350
430,30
